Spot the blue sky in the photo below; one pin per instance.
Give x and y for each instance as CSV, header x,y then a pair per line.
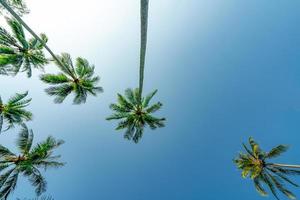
x,y
225,70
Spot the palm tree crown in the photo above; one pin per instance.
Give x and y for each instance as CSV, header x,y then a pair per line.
x,y
28,162
18,54
13,111
79,79
254,163
135,114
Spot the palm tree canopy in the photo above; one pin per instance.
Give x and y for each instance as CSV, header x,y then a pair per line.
x,y
17,54
13,112
78,79
18,5
254,163
28,162
135,114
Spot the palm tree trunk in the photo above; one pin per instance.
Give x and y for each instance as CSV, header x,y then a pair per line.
x,y
284,165
144,27
21,21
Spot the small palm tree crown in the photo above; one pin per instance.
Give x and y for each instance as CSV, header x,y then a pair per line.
x,y
17,54
18,5
135,114
79,79
27,163
13,111
254,163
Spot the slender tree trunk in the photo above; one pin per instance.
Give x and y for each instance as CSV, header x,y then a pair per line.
x,y
284,165
21,21
144,27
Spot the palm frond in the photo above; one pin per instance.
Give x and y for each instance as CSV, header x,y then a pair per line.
x,y
25,139
277,151
9,185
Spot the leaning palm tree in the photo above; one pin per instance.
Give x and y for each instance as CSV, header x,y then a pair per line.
x,y
83,81
18,5
135,112
255,164
28,162
79,79
13,112
16,53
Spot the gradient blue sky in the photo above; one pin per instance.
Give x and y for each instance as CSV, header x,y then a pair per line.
x,y
225,70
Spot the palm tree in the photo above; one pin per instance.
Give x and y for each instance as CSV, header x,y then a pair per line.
x,y
17,5
133,110
254,163
27,163
13,111
16,53
79,79
83,81
134,115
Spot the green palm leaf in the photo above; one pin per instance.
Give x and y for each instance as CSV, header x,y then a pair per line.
x,y
277,151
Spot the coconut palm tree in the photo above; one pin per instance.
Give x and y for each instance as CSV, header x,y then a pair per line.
x,y
16,53
27,163
13,112
79,79
255,164
82,82
135,114
18,5
133,110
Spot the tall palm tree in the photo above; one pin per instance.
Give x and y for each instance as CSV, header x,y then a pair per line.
x,y
84,81
133,110
79,79
27,163
18,5
255,164
13,112
134,115
16,53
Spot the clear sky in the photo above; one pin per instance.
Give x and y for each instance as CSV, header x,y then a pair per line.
x,y
225,70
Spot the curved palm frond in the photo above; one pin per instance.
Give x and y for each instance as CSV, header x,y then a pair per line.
x,y
13,112
135,115
17,54
78,79
27,163
254,163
